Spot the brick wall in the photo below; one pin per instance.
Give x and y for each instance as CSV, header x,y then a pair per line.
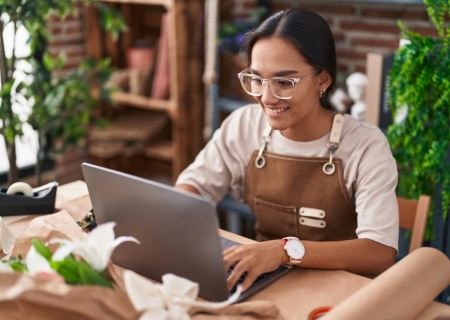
x,y
358,28
68,36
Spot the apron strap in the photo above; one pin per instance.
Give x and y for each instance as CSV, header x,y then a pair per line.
x,y
336,129
334,142
260,161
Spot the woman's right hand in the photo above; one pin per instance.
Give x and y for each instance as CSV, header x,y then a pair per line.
x,y
255,259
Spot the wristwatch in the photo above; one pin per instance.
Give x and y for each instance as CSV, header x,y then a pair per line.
x,y
294,249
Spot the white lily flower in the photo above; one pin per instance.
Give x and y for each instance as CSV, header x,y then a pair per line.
x,y
170,300
5,267
37,264
95,249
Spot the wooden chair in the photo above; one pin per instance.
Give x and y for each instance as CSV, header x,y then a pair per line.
x,y
413,216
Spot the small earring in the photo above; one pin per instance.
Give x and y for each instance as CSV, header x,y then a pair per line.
x,y
321,92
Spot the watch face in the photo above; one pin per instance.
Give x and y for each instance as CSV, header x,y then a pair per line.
x,y
295,249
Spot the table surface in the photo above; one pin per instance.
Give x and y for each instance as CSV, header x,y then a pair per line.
x,y
296,293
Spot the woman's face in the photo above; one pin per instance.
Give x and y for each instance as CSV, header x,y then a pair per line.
x,y
275,57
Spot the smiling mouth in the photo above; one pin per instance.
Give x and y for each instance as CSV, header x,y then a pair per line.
x,y
276,111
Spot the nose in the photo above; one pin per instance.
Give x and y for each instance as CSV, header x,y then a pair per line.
x,y
267,96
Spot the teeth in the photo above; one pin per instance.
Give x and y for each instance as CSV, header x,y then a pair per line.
x,y
275,111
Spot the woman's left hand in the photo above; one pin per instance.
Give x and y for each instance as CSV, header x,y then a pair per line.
x,y
256,259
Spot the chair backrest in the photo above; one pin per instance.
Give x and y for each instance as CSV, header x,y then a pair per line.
x,y
413,216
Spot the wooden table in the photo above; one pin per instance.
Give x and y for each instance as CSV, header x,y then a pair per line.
x,y
296,293
302,290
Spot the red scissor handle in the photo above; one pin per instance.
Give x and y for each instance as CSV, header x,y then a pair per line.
x,y
317,313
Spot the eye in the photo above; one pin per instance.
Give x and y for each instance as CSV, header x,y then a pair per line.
x,y
256,81
283,83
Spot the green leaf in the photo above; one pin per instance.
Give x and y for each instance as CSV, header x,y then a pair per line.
x,y
68,269
92,277
18,266
48,61
60,60
41,249
9,134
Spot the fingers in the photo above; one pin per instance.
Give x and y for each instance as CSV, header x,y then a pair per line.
x,y
232,255
249,279
243,269
238,271
230,250
255,259
243,258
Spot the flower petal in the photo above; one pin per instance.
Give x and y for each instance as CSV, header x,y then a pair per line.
x,y
90,255
64,250
37,263
107,252
102,236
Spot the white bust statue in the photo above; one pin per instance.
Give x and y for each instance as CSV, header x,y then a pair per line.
x,y
356,87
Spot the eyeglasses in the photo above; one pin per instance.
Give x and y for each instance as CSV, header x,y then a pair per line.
x,y
281,87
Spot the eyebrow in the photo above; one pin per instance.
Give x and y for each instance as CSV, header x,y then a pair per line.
x,y
277,74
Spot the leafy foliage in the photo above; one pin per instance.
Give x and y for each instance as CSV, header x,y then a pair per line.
x,y
63,105
420,84
67,96
17,264
73,270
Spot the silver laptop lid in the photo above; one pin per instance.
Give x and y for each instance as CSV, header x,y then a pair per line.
x,y
178,231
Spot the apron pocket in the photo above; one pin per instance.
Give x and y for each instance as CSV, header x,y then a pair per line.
x,y
274,221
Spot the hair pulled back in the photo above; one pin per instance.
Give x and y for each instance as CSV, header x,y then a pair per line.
x,y
304,29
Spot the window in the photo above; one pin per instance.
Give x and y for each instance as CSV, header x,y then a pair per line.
x,y
27,145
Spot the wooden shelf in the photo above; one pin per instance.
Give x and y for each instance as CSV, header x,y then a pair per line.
x,y
143,102
186,104
161,150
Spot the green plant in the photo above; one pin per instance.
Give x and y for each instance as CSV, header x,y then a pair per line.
x,y
62,106
47,96
419,87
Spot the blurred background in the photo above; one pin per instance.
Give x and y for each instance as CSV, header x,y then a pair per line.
x,y
157,136
140,86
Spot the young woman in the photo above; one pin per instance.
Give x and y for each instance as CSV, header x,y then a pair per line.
x,y
321,184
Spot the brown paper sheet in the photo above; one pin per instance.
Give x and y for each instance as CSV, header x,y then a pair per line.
x,y
44,228
25,297
252,310
401,292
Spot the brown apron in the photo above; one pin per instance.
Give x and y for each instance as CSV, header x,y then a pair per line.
x,y
300,196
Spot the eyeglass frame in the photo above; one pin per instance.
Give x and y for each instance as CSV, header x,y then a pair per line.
x,y
294,80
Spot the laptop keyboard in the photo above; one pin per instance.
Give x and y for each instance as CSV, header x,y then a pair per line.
x,y
242,278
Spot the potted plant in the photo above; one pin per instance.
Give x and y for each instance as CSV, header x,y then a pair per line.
x,y
419,96
61,106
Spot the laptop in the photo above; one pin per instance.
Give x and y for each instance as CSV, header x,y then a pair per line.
x,y
178,231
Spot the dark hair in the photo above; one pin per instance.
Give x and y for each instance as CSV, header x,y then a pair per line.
x,y
304,29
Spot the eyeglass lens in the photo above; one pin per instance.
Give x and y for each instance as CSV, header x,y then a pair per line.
x,y
280,87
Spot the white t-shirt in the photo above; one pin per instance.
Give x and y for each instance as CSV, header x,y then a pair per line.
x,y
370,171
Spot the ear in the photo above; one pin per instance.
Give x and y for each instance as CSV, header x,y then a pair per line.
x,y
324,80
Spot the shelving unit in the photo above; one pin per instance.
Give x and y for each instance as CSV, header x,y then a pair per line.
x,y
185,107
